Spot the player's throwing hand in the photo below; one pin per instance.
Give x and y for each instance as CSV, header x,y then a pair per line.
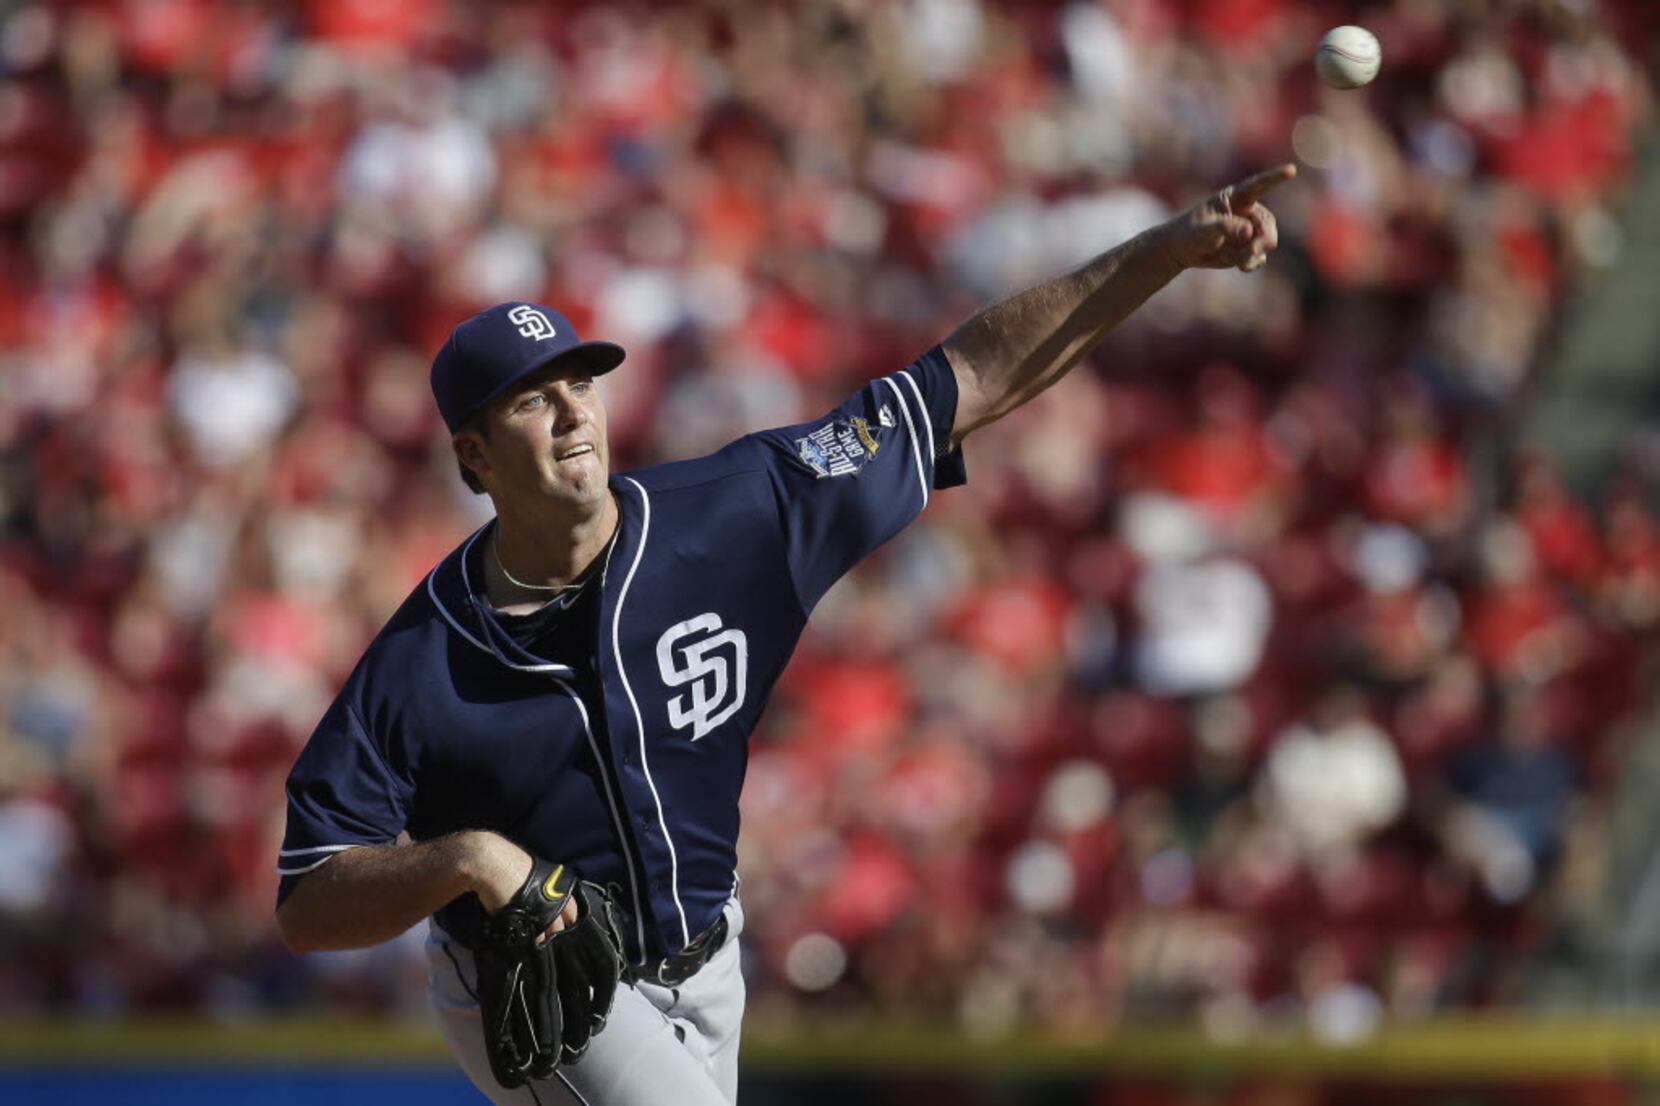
x,y
1232,229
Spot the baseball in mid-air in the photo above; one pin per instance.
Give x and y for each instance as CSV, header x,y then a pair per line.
x,y
1348,57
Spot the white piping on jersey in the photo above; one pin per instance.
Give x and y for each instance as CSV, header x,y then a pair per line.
x,y
582,710
916,450
466,580
329,852
639,723
927,420
462,630
616,820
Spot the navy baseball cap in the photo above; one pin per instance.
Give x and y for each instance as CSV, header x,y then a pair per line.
x,y
503,344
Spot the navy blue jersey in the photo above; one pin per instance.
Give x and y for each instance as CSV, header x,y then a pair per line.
x,y
627,767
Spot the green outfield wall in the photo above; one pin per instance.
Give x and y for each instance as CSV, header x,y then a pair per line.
x,y
1471,1048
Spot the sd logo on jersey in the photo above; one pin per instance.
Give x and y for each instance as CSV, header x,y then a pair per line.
x,y
841,447
714,662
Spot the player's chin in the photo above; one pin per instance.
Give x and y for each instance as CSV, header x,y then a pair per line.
x,y
577,478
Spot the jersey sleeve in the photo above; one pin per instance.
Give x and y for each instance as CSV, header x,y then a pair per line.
x,y
849,481
341,794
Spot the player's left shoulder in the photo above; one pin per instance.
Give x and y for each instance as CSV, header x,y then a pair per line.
x,y
717,511
740,462
710,499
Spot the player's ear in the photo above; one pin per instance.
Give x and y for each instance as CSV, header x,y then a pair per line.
x,y
469,450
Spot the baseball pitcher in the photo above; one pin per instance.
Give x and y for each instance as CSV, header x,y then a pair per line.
x,y
558,716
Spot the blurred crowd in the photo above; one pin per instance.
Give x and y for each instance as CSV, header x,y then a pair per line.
x,y
1255,677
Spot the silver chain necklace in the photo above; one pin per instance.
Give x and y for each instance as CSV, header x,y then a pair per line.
x,y
495,550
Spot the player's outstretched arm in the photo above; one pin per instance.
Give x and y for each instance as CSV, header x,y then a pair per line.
x,y
1011,351
367,895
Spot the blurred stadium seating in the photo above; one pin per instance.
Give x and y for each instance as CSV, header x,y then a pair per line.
x,y
1264,676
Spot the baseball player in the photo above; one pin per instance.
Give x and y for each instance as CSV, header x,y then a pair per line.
x,y
566,699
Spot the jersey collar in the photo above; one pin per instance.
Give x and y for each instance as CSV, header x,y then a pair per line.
x,y
460,599
451,588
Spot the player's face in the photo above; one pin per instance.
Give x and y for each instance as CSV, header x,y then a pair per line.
x,y
547,437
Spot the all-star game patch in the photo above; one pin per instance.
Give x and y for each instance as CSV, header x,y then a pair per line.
x,y
841,447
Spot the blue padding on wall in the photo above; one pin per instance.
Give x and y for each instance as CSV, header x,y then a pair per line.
x,y
162,1086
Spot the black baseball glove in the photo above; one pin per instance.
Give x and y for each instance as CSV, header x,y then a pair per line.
x,y
542,1003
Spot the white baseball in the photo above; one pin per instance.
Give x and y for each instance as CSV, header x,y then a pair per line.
x,y
1348,57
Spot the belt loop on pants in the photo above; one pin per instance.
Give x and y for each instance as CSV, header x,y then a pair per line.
x,y
672,971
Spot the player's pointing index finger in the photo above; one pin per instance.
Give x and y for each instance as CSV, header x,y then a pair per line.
x,y
1254,187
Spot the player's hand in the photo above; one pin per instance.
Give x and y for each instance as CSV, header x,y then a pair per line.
x,y
501,868
567,918
1232,229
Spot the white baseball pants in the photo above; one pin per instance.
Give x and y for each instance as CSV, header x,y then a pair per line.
x,y
660,1045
